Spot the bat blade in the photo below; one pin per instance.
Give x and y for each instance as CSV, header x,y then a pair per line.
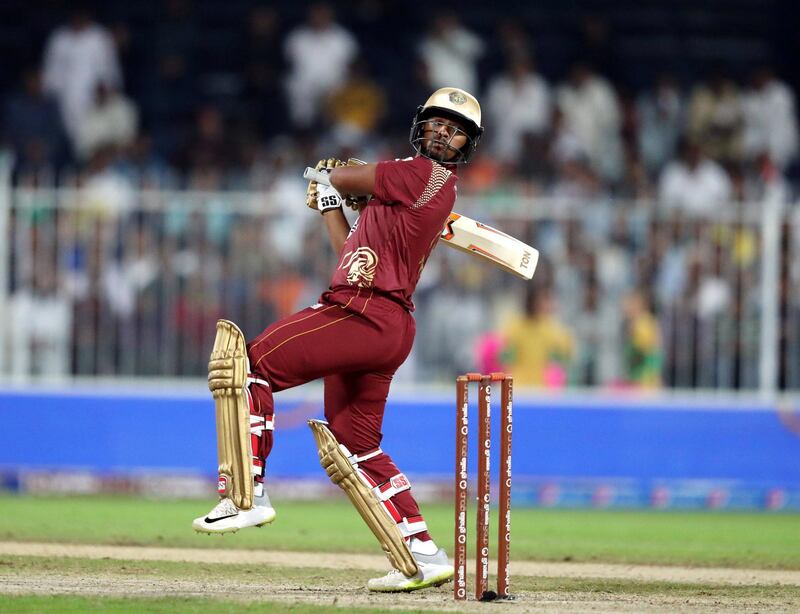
x,y
510,254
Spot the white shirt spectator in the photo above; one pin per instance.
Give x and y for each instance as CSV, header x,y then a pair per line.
x,y
699,189
770,123
591,112
450,53
661,118
319,55
123,282
43,348
113,121
75,61
516,104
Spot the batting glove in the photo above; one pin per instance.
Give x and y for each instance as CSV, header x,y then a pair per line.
x,y
328,198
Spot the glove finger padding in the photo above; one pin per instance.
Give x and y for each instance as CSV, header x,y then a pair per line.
x,y
357,203
312,192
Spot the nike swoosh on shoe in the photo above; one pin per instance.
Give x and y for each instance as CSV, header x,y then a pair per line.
x,y
210,520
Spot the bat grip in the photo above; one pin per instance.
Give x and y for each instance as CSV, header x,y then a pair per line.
x,y
314,175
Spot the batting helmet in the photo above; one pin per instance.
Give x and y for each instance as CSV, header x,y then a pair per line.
x,y
452,103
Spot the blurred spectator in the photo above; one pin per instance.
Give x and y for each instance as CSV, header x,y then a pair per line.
x,y
485,175
451,287
770,120
215,218
642,343
77,57
144,166
534,168
450,52
319,53
538,347
107,193
564,143
512,40
40,323
711,291
83,281
661,119
128,275
286,189
112,121
575,179
759,180
32,125
591,112
694,183
283,290
208,147
355,107
517,105
195,311
588,329
488,353
635,184
715,119
705,308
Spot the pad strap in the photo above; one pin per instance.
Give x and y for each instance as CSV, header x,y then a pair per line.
x,y
355,459
412,526
389,489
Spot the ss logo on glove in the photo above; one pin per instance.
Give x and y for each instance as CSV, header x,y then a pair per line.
x,y
328,202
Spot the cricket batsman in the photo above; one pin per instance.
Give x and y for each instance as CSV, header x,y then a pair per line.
x,y
355,337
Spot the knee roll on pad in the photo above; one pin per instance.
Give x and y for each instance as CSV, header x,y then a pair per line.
x,y
336,461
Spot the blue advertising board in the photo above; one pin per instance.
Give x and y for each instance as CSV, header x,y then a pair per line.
x,y
571,450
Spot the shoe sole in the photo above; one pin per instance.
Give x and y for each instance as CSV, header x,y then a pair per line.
x,y
431,583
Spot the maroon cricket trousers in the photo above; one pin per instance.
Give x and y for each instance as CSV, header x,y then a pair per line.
x,y
355,339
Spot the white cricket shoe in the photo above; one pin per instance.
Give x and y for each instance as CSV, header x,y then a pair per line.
x,y
434,570
227,518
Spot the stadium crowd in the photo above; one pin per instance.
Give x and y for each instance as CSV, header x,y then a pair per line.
x,y
243,107
162,109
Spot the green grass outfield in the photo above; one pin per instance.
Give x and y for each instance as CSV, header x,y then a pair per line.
x,y
707,539
725,539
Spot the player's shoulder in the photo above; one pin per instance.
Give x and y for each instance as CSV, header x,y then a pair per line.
x,y
423,166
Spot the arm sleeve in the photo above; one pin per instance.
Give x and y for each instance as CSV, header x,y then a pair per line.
x,y
411,183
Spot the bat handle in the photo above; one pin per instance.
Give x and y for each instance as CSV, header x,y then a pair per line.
x,y
314,175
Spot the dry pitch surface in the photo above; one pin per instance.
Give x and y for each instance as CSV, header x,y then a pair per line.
x,y
319,579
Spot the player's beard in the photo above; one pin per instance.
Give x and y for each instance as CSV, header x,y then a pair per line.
x,y
438,149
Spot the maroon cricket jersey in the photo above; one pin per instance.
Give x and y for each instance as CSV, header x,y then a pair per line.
x,y
397,230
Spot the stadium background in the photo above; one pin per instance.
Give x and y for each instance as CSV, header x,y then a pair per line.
x,y
665,347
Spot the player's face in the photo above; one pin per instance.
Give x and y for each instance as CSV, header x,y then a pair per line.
x,y
443,138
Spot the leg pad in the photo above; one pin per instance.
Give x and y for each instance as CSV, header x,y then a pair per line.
x,y
227,380
336,461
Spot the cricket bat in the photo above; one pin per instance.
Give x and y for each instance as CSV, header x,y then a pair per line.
x,y
468,235
502,250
